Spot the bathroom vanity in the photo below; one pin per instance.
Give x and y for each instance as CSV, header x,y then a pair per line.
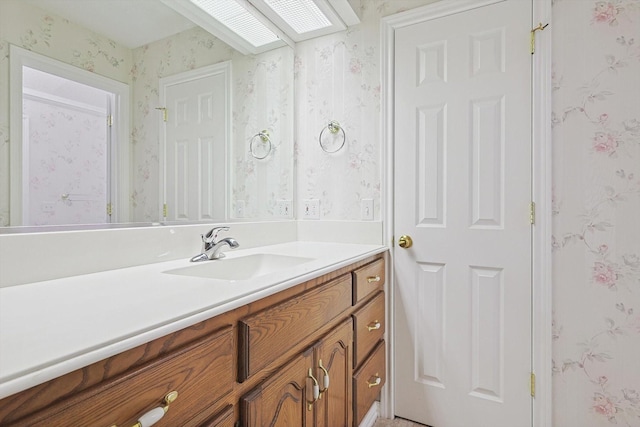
x,y
307,351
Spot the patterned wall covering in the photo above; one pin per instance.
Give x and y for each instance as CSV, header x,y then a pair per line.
x,y
32,29
262,99
338,78
596,231
68,147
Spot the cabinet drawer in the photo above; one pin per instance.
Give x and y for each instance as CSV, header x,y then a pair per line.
x,y
201,373
367,382
369,327
223,418
270,333
367,280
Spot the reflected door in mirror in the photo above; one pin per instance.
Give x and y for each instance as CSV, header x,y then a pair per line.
x,y
196,122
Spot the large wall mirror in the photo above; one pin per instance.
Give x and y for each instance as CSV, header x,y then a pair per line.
x,y
240,169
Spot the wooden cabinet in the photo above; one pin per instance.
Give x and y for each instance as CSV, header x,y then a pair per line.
x,y
254,366
201,373
224,418
271,332
284,399
367,382
333,360
369,325
369,348
313,389
368,280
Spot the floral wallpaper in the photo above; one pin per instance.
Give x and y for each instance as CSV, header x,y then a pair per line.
x,y
185,51
33,29
337,77
262,99
596,208
68,164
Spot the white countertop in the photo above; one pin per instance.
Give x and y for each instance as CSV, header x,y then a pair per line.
x,y
53,327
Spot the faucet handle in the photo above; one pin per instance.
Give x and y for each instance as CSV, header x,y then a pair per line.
x,y
211,236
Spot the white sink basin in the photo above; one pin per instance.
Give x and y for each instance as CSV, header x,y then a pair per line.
x,y
240,268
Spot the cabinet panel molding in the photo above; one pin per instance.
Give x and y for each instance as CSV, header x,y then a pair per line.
x,y
200,379
368,280
368,380
270,333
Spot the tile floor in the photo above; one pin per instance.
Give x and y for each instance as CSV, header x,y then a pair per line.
x,y
398,422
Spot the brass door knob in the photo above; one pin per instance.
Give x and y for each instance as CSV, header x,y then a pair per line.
x,y
405,242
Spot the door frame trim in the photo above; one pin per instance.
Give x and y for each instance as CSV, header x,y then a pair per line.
x,y
541,189
118,140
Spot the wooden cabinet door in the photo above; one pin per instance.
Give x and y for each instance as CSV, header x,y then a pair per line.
x,y
333,353
283,399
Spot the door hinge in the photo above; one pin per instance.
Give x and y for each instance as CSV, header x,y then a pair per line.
x,y
532,382
109,209
164,210
165,114
540,27
532,213
109,120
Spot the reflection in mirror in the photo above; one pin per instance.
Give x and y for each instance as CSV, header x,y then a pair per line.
x,y
63,126
65,145
261,88
196,128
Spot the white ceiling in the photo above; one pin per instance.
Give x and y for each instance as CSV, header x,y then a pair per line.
x,y
132,23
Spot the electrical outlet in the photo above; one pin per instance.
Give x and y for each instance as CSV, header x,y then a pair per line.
x,y
240,207
284,209
311,209
48,207
366,209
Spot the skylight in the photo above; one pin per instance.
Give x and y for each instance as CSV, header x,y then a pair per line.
x,y
302,16
255,26
239,20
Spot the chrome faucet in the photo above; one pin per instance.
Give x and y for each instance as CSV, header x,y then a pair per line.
x,y
212,248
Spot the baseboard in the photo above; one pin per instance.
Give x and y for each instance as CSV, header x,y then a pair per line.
x,y
370,419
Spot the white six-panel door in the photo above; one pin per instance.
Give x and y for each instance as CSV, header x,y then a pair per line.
x,y
196,134
462,192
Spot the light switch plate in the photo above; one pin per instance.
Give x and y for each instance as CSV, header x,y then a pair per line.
x,y
240,208
366,209
284,209
311,209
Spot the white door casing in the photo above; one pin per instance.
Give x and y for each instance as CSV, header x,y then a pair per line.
x,y
462,191
119,151
195,139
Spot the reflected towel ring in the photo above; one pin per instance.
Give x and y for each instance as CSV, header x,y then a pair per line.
x,y
335,138
260,146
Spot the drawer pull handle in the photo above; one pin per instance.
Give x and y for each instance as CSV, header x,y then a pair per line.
x,y
153,416
316,390
325,378
372,279
374,326
374,381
